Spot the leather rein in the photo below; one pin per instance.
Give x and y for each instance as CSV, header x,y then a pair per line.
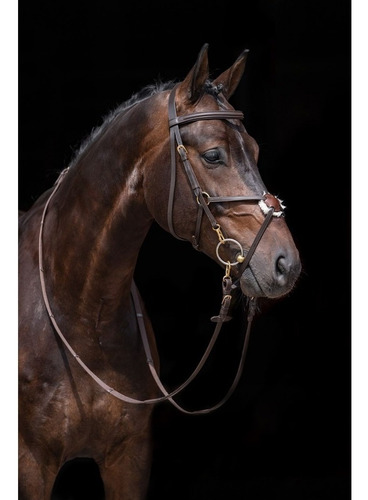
x,y
269,205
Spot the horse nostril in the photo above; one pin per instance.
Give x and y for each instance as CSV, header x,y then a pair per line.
x,y
287,269
282,268
281,265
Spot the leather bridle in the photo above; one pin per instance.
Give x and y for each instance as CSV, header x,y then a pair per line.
x,y
269,205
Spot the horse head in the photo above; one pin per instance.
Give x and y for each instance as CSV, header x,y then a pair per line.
x,y
212,190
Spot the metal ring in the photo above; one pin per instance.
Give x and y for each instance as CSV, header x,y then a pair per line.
x,y
206,197
225,241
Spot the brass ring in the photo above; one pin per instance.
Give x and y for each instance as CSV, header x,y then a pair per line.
x,y
206,196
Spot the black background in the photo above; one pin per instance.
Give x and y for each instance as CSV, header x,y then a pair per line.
x,y
286,431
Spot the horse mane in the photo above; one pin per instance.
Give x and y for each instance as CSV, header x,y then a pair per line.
x,y
141,95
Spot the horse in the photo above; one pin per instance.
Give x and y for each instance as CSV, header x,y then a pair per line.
x,y
176,153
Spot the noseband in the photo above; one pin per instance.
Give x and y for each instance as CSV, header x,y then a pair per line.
x,y
270,207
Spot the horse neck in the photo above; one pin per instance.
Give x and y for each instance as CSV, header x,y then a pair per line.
x,y
97,222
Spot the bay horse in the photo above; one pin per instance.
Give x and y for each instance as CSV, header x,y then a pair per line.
x,y
176,153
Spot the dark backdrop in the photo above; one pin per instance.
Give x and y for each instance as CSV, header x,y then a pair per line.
x,y
286,431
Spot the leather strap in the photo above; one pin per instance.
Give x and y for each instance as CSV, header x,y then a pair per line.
x,y
205,115
222,318
224,199
257,239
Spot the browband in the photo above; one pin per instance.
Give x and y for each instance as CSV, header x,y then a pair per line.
x,y
205,115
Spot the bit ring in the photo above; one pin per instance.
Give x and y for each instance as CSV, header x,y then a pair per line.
x,y
241,254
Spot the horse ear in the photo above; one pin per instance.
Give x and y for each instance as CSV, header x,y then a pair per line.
x,y
230,78
192,86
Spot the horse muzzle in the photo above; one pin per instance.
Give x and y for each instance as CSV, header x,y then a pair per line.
x,y
271,276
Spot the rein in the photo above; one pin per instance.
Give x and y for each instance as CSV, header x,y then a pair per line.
x,y
220,319
268,205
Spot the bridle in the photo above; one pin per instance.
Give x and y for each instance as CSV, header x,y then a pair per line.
x,y
269,205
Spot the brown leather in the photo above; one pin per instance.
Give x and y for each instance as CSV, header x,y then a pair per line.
x,y
227,288
205,115
272,202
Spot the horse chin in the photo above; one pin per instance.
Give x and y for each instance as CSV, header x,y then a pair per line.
x,y
257,286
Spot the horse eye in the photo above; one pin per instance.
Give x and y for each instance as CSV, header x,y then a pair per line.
x,y
213,157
